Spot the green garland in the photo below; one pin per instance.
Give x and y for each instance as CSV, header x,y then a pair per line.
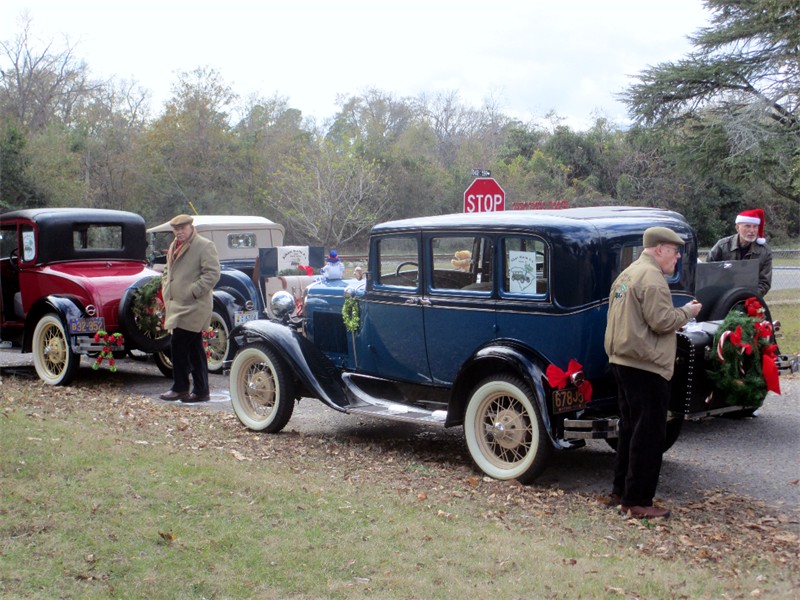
x,y
736,364
350,316
148,309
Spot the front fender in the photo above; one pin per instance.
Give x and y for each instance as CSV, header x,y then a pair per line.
x,y
228,304
500,359
313,369
65,308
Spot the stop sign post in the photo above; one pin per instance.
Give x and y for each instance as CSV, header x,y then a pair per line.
x,y
484,195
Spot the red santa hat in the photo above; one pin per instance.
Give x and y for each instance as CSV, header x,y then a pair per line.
x,y
756,217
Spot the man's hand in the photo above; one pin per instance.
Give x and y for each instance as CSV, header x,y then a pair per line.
x,y
694,307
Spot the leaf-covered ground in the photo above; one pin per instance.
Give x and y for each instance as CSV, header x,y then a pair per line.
x,y
722,531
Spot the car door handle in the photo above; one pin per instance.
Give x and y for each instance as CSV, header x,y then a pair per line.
x,y
412,301
425,302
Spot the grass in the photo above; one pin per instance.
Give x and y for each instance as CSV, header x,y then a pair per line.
x,y
124,498
784,305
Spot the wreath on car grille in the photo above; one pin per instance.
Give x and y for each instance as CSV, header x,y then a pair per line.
x,y
743,367
147,307
350,315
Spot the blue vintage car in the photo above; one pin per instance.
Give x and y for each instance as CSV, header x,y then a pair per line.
x,y
457,323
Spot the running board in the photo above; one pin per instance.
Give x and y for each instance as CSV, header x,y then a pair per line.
x,y
362,402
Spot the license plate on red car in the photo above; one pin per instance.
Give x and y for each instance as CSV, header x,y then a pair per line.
x,y
568,400
86,325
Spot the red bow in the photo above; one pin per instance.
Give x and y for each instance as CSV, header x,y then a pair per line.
x,y
736,340
558,379
770,370
754,308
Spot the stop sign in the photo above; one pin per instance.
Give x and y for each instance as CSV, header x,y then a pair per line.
x,y
484,195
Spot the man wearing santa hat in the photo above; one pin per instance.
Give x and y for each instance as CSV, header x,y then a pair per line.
x,y
748,243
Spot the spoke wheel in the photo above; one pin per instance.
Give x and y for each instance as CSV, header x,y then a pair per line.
x,y
163,361
55,362
219,345
503,430
262,392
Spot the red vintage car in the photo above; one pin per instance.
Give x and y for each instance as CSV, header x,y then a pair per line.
x,y
75,281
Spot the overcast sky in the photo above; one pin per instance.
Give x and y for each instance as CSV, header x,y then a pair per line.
x,y
529,56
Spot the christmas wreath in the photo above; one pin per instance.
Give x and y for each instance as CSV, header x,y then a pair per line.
x,y
350,316
743,367
109,341
147,307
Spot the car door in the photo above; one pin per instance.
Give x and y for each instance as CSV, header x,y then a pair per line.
x,y
459,308
393,326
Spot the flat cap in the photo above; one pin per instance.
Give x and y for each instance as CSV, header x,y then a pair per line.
x,y
653,236
181,220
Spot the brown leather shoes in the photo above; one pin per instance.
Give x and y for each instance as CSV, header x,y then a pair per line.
x,y
170,395
614,500
644,512
195,398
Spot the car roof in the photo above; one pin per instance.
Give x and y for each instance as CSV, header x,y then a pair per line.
x,y
597,217
223,221
73,215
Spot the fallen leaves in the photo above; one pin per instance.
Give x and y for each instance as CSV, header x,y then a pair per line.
x,y
721,529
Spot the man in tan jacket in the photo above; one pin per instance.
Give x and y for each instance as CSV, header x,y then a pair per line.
x,y
641,343
187,285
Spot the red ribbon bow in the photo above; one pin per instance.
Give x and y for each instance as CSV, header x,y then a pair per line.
x,y
754,308
558,379
770,370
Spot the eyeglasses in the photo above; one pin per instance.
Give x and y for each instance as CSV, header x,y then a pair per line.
x,y
675,249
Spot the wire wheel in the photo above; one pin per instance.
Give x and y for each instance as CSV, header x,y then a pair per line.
x,y
55,362
261,390
503,430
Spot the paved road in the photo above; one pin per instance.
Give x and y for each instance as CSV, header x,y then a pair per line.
x,y
759,457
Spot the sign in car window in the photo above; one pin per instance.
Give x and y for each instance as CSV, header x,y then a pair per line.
x,y
525,267
28,245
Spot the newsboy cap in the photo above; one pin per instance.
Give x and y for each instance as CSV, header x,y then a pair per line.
x,y
181,220
653,236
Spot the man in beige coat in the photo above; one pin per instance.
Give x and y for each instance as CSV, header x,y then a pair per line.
x,y
641,343
187,286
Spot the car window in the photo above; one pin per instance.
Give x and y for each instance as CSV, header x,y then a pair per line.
x,y
241,240
28,242
632,252
96,237
461,263
398,261
8,239
525,266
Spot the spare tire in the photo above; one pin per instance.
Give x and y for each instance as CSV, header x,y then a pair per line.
x,y
141,316
736,299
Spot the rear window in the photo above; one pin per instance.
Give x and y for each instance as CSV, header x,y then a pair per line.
x,y
241,240
96,237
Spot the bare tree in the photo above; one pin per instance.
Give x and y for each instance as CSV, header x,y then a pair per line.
x,y
39,85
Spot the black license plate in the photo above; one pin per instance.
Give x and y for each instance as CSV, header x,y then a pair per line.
x,y
568,400
84,326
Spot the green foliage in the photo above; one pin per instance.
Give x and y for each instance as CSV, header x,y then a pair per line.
x,y
737,375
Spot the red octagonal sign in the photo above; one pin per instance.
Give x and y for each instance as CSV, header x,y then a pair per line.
x,y
484,195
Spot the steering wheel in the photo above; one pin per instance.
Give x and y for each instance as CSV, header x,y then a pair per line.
x,y
13,259
403,264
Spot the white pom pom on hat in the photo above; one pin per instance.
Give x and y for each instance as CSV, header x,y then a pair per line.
x,y
755,217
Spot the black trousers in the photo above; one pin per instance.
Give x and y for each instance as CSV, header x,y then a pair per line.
x,y
189,357
643,401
